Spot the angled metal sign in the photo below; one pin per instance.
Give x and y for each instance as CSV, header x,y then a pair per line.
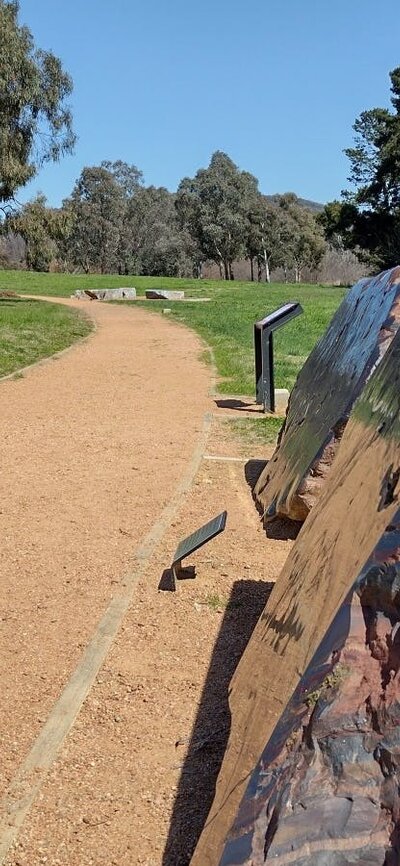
x,y
192,543
264,351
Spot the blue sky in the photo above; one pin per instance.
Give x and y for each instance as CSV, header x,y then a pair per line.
x,y
277,84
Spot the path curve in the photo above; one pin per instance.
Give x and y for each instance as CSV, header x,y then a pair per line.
x,y
93,446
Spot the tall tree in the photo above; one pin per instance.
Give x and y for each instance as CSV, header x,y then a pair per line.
x,y
43,230
157,242
338,220
369,218
97,207
35,120
214,206
130,181
266,237
303,244
375,159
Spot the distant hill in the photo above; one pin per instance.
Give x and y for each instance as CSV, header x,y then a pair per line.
x,y
314,206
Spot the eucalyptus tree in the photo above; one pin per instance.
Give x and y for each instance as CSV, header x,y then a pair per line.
x,y
214,207
266,237
302,241
158,243
130,181
96,208
43,229
367,219
35,119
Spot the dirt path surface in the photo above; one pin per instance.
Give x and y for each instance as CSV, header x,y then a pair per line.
x,y
94,445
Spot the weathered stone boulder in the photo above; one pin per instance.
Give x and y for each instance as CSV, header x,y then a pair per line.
x,y
321,401
164,295
327,783
106,294
316,691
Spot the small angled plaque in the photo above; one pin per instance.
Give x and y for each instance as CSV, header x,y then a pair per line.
x,y
194,541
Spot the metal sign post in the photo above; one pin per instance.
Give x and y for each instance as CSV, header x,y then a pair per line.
x,y
264,352
193,542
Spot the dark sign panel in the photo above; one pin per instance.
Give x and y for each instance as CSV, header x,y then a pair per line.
x,y
197,539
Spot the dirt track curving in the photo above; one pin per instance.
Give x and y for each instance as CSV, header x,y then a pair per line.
x,y
93,447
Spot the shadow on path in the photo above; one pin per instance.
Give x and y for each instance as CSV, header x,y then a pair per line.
x,y
240,405
211,729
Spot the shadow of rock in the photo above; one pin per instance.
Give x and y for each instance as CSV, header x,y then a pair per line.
x,y
253,470
211,729
281,528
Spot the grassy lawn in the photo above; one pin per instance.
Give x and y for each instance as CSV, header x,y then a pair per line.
x,y
30,330
63,285
256,431
225,322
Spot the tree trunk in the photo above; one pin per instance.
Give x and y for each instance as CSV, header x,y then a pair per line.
x,y
226,270
231,274
252,269
267,271
285,273
266,263
258,270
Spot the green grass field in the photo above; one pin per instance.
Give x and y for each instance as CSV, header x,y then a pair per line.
x,y
30,330
225,322
63,285
255,431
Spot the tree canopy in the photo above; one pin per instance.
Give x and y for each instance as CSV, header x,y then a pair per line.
x,y
96,207
43,229
214,206
368,218
113,222
35,119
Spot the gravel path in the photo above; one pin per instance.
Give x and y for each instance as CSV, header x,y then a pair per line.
x,y
94,445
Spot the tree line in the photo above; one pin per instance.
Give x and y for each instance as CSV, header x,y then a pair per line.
x,y
113,222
